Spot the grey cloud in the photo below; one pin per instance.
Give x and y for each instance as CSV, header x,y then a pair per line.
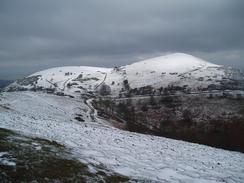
x,y
40,34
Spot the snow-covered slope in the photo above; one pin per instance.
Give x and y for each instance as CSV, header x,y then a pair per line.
x,y
73,122
176,69
141,157
166,70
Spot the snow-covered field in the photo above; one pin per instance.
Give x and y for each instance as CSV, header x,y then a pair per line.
x,y
141,157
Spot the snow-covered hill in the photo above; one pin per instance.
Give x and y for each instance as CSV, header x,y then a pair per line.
x,y
167,70
178,69
73,122
140,157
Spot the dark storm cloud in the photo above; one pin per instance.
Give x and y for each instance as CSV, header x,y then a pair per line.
x,y
39,34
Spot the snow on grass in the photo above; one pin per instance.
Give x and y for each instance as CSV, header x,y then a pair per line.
x,y
6,160
176,69
166,70
90,76
138,156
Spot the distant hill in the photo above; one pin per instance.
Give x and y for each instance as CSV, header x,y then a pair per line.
x,y
4,83
178,72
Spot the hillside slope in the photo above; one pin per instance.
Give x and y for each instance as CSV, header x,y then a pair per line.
x,y
143,158
178,70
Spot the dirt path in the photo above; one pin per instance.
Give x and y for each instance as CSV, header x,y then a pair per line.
x,y
101,82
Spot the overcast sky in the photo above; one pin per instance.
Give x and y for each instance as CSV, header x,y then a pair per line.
x,y
36,35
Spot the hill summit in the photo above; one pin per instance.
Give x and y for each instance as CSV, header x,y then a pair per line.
x,y
184,72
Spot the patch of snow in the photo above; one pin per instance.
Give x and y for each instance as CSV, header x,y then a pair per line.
x,y
5,160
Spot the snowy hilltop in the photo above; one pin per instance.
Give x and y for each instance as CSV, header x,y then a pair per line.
x,y
185,72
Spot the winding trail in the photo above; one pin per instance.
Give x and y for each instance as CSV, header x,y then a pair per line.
x,y
94,115
91,111
65,84
103,121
